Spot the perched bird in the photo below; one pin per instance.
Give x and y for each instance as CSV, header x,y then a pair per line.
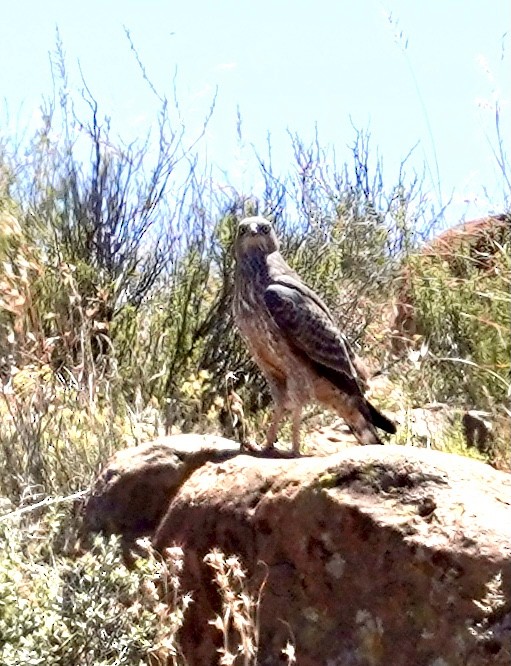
x,y
294,340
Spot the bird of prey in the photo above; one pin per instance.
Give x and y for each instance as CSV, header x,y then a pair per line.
x,y
294,340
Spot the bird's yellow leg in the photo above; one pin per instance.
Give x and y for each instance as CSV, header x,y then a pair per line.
x,y
271,435
295,424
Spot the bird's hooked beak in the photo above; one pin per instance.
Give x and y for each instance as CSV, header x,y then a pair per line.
x,y
252,230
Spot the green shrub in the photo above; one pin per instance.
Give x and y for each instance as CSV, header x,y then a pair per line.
x,y
61,609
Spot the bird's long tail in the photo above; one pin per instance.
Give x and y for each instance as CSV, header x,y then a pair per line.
x,y
380,420
363,419
360,415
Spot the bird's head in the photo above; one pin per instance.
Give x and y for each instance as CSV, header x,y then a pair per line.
x,y
255,234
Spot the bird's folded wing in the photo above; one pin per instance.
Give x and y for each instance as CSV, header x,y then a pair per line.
x,y
282,274
308,327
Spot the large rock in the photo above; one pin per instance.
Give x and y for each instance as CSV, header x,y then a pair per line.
x,y
373,556
386,556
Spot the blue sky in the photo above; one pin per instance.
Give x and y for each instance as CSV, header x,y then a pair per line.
x,y
287,66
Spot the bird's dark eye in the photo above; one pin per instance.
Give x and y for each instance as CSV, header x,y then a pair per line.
x,y
242,230
265,228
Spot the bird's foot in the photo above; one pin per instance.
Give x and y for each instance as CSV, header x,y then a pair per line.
x,y
271,451
251,446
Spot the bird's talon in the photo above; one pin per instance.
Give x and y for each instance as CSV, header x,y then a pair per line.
x,y
251,445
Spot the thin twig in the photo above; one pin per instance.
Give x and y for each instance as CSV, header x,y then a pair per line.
x,y
465,361
47,501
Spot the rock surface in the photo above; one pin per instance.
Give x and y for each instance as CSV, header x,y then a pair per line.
x,y
373,556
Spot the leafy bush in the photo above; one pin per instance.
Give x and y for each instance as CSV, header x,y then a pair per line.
x,y
87,610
